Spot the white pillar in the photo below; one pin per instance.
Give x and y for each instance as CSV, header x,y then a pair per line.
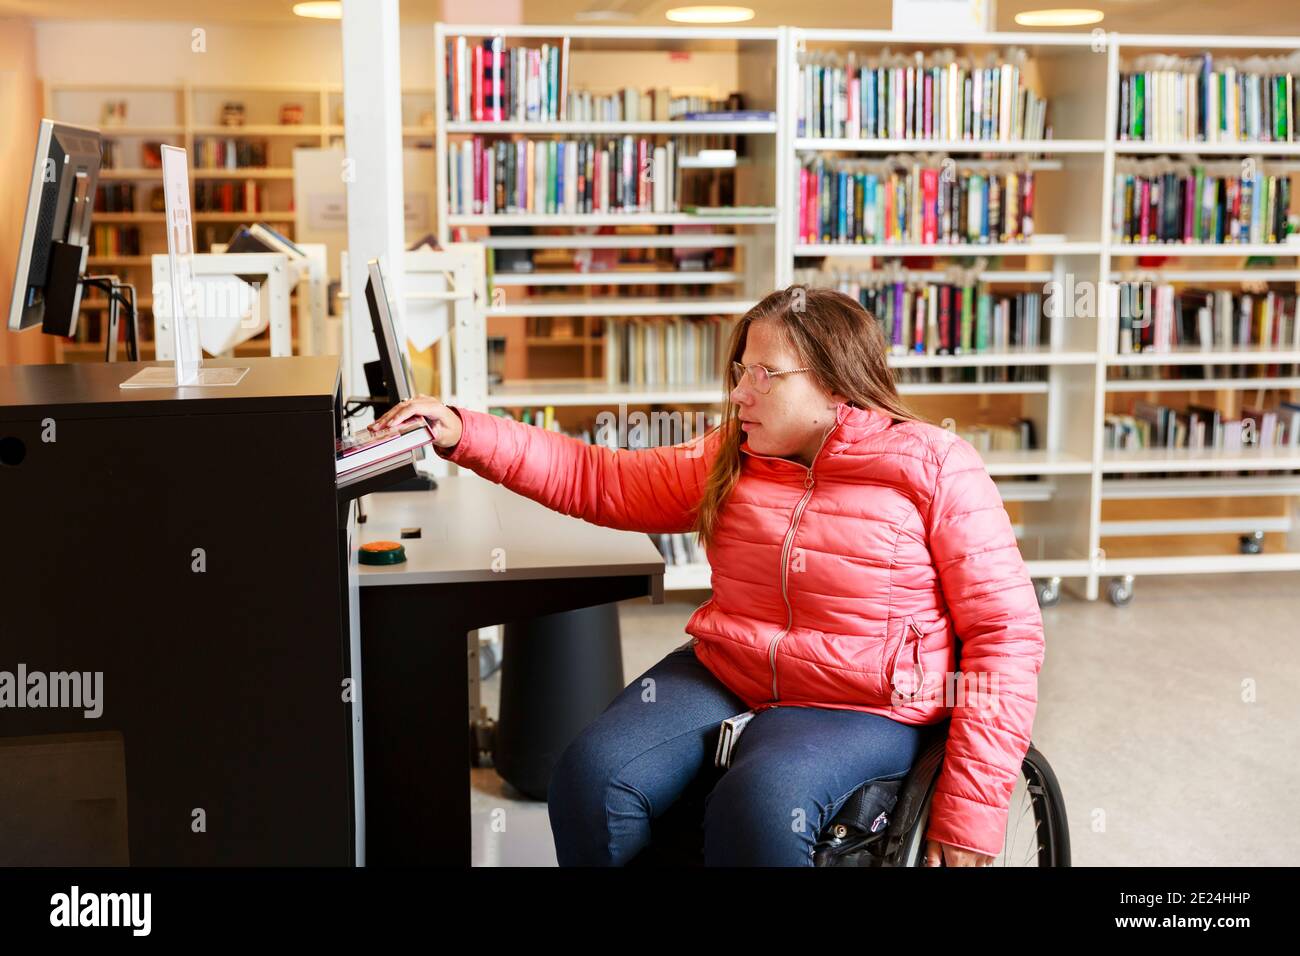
x,y
372,170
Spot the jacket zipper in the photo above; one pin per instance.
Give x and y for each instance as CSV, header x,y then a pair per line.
x,y
809,481
918,683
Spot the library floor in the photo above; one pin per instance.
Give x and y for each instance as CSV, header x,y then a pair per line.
x,y
1145,713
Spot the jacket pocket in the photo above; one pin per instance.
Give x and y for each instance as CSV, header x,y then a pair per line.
x,y
904,668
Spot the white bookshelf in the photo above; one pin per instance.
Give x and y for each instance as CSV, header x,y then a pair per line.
x,y
1064,534
753,60
1064,491
1194,479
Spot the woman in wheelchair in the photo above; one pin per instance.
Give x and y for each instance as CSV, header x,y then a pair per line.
x,y
854,549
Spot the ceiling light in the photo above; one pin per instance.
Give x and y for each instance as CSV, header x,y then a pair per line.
x,y
320,9
603,16
1059,18
710,14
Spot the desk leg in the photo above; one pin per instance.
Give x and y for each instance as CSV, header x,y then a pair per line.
x,y
415,697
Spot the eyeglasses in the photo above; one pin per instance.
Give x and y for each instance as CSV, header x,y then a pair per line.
x,y
761,375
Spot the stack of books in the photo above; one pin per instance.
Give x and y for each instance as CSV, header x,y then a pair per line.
x,y
1151,425
1019,435
1157,317
630,105
623,174
115,197
935,96
679,549
926,200
114,240
1161,200
925,317
489,81
229,153
1175,99
245,196
675,351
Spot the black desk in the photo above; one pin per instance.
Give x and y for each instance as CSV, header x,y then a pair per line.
x,y
184,543
486,556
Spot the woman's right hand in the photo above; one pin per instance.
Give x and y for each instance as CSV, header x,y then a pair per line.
x,y
444,423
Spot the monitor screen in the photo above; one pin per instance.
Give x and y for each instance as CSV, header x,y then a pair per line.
x,y
392,350
56,229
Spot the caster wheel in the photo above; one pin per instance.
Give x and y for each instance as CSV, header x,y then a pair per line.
x,y
1120,591
1251,543
1049,592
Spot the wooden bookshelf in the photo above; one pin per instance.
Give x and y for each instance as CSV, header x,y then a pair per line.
x,y
185,114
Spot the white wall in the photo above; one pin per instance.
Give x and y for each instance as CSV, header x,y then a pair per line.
x,y
113,51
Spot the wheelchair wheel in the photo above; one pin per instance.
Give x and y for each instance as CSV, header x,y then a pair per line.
x,y
1037,830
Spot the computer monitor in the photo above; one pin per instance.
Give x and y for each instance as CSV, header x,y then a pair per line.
x,y
56,229
392,350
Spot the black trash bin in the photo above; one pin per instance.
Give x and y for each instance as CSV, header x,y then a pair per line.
x,y
558,673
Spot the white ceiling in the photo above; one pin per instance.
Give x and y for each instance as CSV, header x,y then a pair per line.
x,y
1276,17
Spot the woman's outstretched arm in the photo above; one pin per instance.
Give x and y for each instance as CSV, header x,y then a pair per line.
x,y
655,490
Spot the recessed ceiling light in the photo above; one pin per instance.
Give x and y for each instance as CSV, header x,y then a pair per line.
x,y
1059,18
320,9
710,14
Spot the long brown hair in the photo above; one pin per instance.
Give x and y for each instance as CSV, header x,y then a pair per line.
x,y
835,337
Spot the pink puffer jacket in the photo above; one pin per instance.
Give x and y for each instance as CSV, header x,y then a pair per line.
x,y
848,585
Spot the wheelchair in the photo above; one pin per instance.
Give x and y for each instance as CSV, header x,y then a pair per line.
x,y
883,822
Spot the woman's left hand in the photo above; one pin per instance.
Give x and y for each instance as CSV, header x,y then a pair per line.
x,y
954,855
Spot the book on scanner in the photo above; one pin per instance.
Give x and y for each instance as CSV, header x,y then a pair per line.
x,y
367,448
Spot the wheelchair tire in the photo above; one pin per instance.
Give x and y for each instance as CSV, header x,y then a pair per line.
x,y
1037,794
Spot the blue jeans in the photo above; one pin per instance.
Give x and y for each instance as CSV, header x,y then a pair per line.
x,y
791,770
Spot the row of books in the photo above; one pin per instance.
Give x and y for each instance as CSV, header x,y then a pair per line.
x,y
970,375
1019,435
937,97
937,318
245,196
676,351
229,153
543,417
679,549
635,430
1174,202
1202,427
930,201
110,154
632,105
1159,317
114,240
1161,375
1176,99
621,174
489,81
115,197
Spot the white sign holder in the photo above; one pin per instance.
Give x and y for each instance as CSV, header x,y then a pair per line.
x,y
183,320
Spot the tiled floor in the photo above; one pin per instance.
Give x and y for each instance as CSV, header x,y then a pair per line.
x,y
1172,724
